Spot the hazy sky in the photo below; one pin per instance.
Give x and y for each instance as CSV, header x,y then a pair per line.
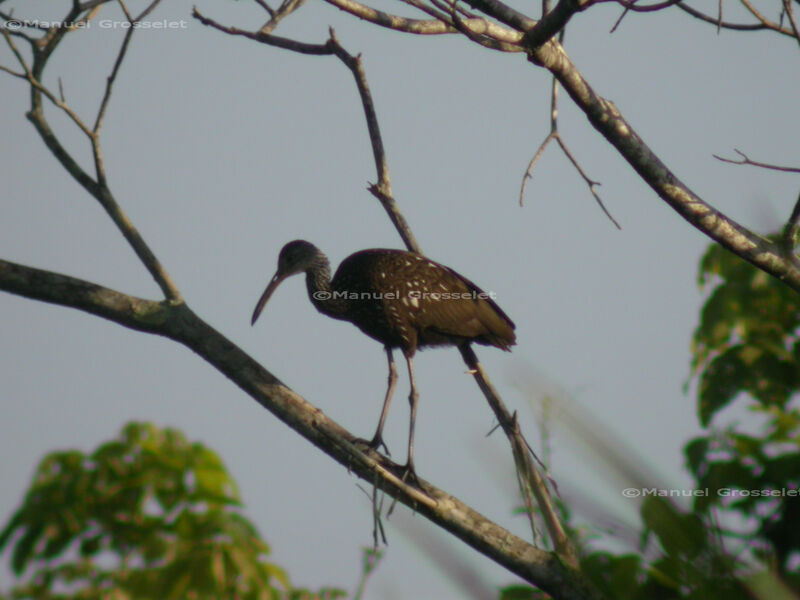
x,y
221,150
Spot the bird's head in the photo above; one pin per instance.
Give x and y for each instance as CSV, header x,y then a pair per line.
x,y
295,257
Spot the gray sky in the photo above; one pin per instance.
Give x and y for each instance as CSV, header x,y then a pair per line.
x,y
221,150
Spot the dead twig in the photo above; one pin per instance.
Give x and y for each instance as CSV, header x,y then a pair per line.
x,y
555,135
745,160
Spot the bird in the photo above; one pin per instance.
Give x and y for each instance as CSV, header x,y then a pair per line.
x,y
401,299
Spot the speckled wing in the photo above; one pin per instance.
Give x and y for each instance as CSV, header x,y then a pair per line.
x,y
467,311
441,306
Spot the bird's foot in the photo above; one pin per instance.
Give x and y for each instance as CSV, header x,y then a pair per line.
x,y
375,444
410,476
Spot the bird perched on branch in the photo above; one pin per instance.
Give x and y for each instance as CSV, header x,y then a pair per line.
x,y
401,299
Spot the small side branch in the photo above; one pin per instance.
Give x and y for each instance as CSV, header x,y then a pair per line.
x,y
789,12
555,135
720,24
745,160
529,473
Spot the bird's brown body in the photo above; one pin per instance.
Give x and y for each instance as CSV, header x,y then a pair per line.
x,y
404,300
400,299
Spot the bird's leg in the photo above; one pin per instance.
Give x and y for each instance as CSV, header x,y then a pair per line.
x,y
377,439
413,397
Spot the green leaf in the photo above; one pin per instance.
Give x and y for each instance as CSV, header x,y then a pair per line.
x,y
518,592
679,534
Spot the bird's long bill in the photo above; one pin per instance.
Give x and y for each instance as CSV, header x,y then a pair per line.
x,y
273,285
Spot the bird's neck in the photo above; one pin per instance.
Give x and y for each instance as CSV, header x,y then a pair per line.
x,y
321,292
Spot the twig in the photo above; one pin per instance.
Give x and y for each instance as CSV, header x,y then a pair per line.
x,y
266,7
382,190
716,21
530,474
553,132
760,17
29,76
789,11
590,182
14,73
617,23
634,7
101,111
286,8
265,38
529,171
745,160
42,50
555,135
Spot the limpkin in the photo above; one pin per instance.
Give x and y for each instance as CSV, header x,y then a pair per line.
x,y
401,299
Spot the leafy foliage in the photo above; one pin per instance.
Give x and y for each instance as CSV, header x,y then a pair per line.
x,y
747,340
747,346
146,516
739,540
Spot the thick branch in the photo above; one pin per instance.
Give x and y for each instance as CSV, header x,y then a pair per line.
x,y
390,21
554,21
178,322
606,118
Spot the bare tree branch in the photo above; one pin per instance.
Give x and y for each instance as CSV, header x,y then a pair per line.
x,y
39,87
555,135
745,160
554,21
384,19
476,33
634,6
286,8
42,50
789,12
525,467
606,118
265,38
720,24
